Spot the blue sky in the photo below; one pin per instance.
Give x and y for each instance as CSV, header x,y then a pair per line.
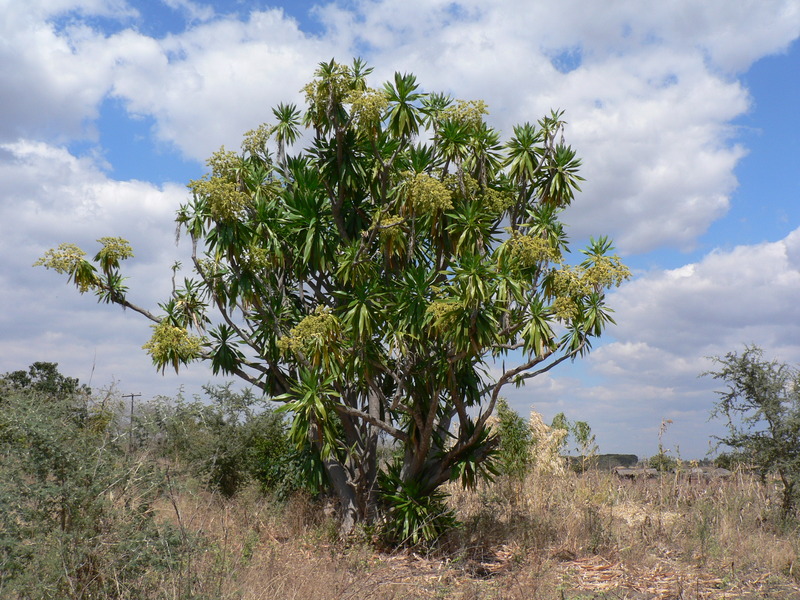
x,y
685,116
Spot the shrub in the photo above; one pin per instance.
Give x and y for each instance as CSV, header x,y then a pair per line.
x,y
228,440
413,516
663,463
516,442
731,460
75,513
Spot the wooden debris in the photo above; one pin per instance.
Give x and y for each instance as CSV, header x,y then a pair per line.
x,y
664,581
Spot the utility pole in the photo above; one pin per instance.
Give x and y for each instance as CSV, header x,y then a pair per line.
x,y
130,426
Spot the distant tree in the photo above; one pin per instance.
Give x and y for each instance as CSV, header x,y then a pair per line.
x,y
561,423
515,453
42,378
586,446
584,441
44,384
761,406
371,281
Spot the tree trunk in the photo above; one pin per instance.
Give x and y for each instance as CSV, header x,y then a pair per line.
x,y
346,495
354,481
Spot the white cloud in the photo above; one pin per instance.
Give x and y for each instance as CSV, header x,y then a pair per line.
x,y
193,10
657,158
746,294
48,196
47,89
208,86
649,104
650,97
669,322
48,193
35,10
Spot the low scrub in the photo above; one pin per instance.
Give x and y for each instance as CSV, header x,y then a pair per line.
x,y
76,516
90,509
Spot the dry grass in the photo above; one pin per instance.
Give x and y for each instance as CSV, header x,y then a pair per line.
x,y
553,537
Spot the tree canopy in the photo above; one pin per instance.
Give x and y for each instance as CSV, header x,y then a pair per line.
x,y
761,406
381,281
42,378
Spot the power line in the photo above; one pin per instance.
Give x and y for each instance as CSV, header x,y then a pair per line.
x,y
130,426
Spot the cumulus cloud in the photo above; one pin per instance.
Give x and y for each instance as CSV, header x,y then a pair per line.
x,y
47,193
669,323
208,86
745,294
650,97
47,87
48,197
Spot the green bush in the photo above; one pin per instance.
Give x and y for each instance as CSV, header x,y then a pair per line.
x,y
516,442
663,463
731,460
75,512
413,516
228,439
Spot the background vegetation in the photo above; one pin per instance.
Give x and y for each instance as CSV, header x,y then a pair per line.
x,y
208,498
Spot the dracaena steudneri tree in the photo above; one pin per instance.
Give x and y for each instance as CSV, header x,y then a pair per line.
x,y
374,281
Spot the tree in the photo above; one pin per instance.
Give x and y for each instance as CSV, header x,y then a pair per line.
x,y
44,379
516,442
372,283
761,406
585,444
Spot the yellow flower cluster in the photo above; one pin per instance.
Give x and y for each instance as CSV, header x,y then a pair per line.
x,y
607,271
223,163
367,107
259,258
568,281
428,195
317,329
114,250
530,251
64,259
566,285
255,140
565,308
390,229
68,259
226,201
319,91
497,202
468,112
573,282
443,313
171,345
